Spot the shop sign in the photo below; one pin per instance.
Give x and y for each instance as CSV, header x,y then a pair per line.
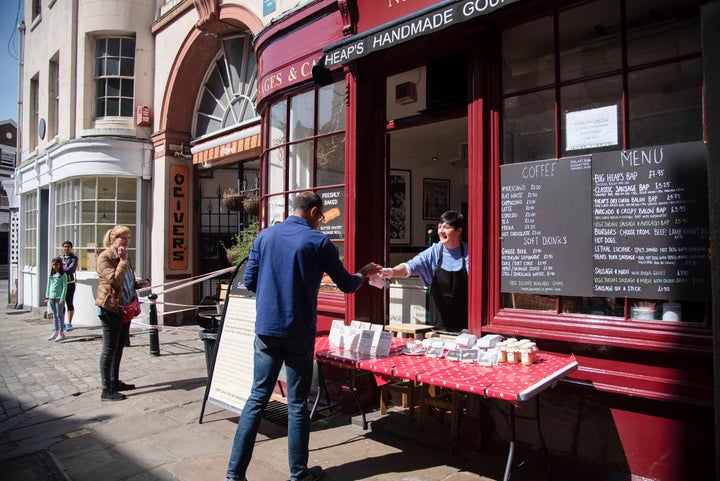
x,y
287,76
178,213
591,128
419,24
334,213
268,7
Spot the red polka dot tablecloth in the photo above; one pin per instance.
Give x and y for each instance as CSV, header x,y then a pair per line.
x,y
395,367
512,382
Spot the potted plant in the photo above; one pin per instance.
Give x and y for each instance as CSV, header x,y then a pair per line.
x,y
251,204
232,200
241,243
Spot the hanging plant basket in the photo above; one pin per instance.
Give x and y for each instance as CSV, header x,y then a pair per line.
x,y
251,205
232,200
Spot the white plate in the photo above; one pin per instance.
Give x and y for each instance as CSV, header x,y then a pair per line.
x,y
415,353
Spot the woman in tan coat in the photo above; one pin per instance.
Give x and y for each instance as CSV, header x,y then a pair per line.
x,y
116,288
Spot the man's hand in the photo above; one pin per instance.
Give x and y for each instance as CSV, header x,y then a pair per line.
x,y
369,269
387,273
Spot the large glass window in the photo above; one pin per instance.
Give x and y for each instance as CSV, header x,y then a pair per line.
x,y
641,68
228,96
30,228
86,207
306,147
114,76
661,79
306,150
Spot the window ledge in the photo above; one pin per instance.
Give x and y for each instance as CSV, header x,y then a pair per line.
x,y
679,338
108,132
36,21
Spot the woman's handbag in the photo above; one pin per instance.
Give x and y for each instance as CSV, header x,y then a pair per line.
x,y
130,311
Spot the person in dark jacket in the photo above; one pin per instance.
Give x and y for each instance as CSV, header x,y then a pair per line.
x,y
285,268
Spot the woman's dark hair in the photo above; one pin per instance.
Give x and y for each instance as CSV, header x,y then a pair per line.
x,y
453,218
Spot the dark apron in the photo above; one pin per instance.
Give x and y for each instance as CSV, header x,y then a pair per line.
x,y
449,296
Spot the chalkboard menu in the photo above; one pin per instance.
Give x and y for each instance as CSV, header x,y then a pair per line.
x,y
650,223
630,223
545,223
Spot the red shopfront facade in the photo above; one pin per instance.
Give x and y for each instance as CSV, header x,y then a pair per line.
x,y
574,137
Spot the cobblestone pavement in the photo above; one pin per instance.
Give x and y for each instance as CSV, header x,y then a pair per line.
x,y
53,426
34,371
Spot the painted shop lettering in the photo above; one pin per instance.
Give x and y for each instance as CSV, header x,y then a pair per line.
x,y
343,54
271,82
479,6
422,25
178,217
634,158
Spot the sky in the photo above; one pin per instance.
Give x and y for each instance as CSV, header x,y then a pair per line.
x,y
13,14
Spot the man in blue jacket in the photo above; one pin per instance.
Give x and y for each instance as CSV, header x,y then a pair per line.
x,y
285,268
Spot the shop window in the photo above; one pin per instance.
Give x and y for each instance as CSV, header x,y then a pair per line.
x,y
589,40
306,150
665,104
114,76
306,144
640,73
228,96
30,228
87,207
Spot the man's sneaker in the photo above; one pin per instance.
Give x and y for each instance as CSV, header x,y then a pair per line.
x,y
313,474
68,327
111,396
121,386
52,336
60,337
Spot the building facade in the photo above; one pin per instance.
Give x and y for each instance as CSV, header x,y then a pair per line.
x,y
8,152
86,157
574,135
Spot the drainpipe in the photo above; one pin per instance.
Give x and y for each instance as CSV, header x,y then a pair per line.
x,y
14,278
73,71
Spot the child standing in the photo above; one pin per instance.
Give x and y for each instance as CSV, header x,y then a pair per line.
x,y
55,296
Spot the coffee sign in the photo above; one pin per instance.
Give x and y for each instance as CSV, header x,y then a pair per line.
x,y
631,223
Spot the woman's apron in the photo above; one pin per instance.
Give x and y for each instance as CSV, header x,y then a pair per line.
x,y
449,295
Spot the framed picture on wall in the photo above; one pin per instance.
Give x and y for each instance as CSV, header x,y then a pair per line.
x,y
436,198
400,207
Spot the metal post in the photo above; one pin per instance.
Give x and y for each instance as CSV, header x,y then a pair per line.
x,y
154,339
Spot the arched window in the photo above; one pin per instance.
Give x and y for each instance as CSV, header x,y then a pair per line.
x,y
228,96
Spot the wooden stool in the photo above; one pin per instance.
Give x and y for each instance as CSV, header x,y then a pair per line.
x,y
404,330
448,400
406,388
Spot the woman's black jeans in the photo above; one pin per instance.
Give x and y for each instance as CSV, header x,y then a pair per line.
x,y
115,334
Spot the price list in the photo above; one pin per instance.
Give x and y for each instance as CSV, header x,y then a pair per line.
x,y
650,223
545,223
